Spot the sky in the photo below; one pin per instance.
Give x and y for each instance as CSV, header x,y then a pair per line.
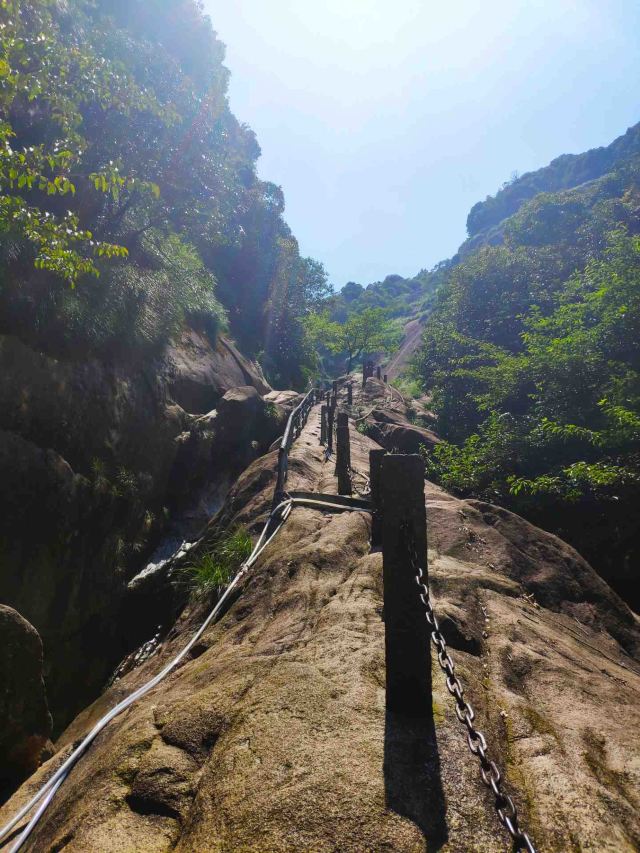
x,y
384,121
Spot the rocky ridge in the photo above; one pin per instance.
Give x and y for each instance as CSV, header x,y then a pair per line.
x,y
274,736
100,464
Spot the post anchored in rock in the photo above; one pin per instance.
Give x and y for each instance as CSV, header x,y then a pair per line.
x,y
330,415
323,424
386,379
343,455
350,394
378,372
375,466
404,541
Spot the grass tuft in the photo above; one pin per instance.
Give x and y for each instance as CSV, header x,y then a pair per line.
x,y
213,570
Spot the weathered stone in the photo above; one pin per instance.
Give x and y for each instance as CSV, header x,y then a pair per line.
x,y
199,373
94,458
25,723
239,410
393,432
274,735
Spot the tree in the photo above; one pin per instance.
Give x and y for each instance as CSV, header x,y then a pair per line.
x,y
120,157
367,331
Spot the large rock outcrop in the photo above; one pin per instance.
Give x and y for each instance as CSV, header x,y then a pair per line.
x,y
199,374
25,722
392,431
273,735
96,459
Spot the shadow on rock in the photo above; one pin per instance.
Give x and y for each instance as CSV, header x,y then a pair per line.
x,y
413,785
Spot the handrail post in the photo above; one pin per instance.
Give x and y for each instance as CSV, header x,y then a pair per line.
x,y
404,542
375,467
378,372
386,379
343,454
330,416
350,394
323,424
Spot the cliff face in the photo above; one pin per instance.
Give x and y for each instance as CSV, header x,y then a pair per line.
x,y
97,460
273,734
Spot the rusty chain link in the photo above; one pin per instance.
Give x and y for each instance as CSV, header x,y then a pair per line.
x,y
489,772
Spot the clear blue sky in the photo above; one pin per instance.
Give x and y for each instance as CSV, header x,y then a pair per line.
x,y
384,121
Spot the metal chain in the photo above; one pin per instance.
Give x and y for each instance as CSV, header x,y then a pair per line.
x,y
489,772
366,491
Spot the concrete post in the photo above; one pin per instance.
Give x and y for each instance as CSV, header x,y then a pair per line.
x,y
407,642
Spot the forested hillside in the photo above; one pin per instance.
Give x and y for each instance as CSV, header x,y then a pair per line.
x,y
136,240
532,356
565,172
129,197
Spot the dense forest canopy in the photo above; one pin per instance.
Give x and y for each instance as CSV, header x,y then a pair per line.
x,y
357,321
129,198
532,358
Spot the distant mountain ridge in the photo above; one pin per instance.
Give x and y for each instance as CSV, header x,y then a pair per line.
x,y
565,172
569,186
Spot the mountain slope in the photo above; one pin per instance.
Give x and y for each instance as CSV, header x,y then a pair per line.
x,y
531,357
273,734
565,172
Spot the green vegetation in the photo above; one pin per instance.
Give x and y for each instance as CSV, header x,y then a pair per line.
x,y
409,387
565,172
401,298
532,357
129,198
213,570
362,333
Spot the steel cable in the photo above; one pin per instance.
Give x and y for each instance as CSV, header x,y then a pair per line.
x,y
48,790
280,512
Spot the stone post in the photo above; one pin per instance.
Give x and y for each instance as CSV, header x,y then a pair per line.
x,y
375,466
343,454
407,638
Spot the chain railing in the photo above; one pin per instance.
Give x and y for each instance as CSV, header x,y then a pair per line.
x,y
489,772
282,506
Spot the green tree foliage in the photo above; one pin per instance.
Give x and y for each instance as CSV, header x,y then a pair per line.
x,y
565,172
401,298
368,331
120,158
533,358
